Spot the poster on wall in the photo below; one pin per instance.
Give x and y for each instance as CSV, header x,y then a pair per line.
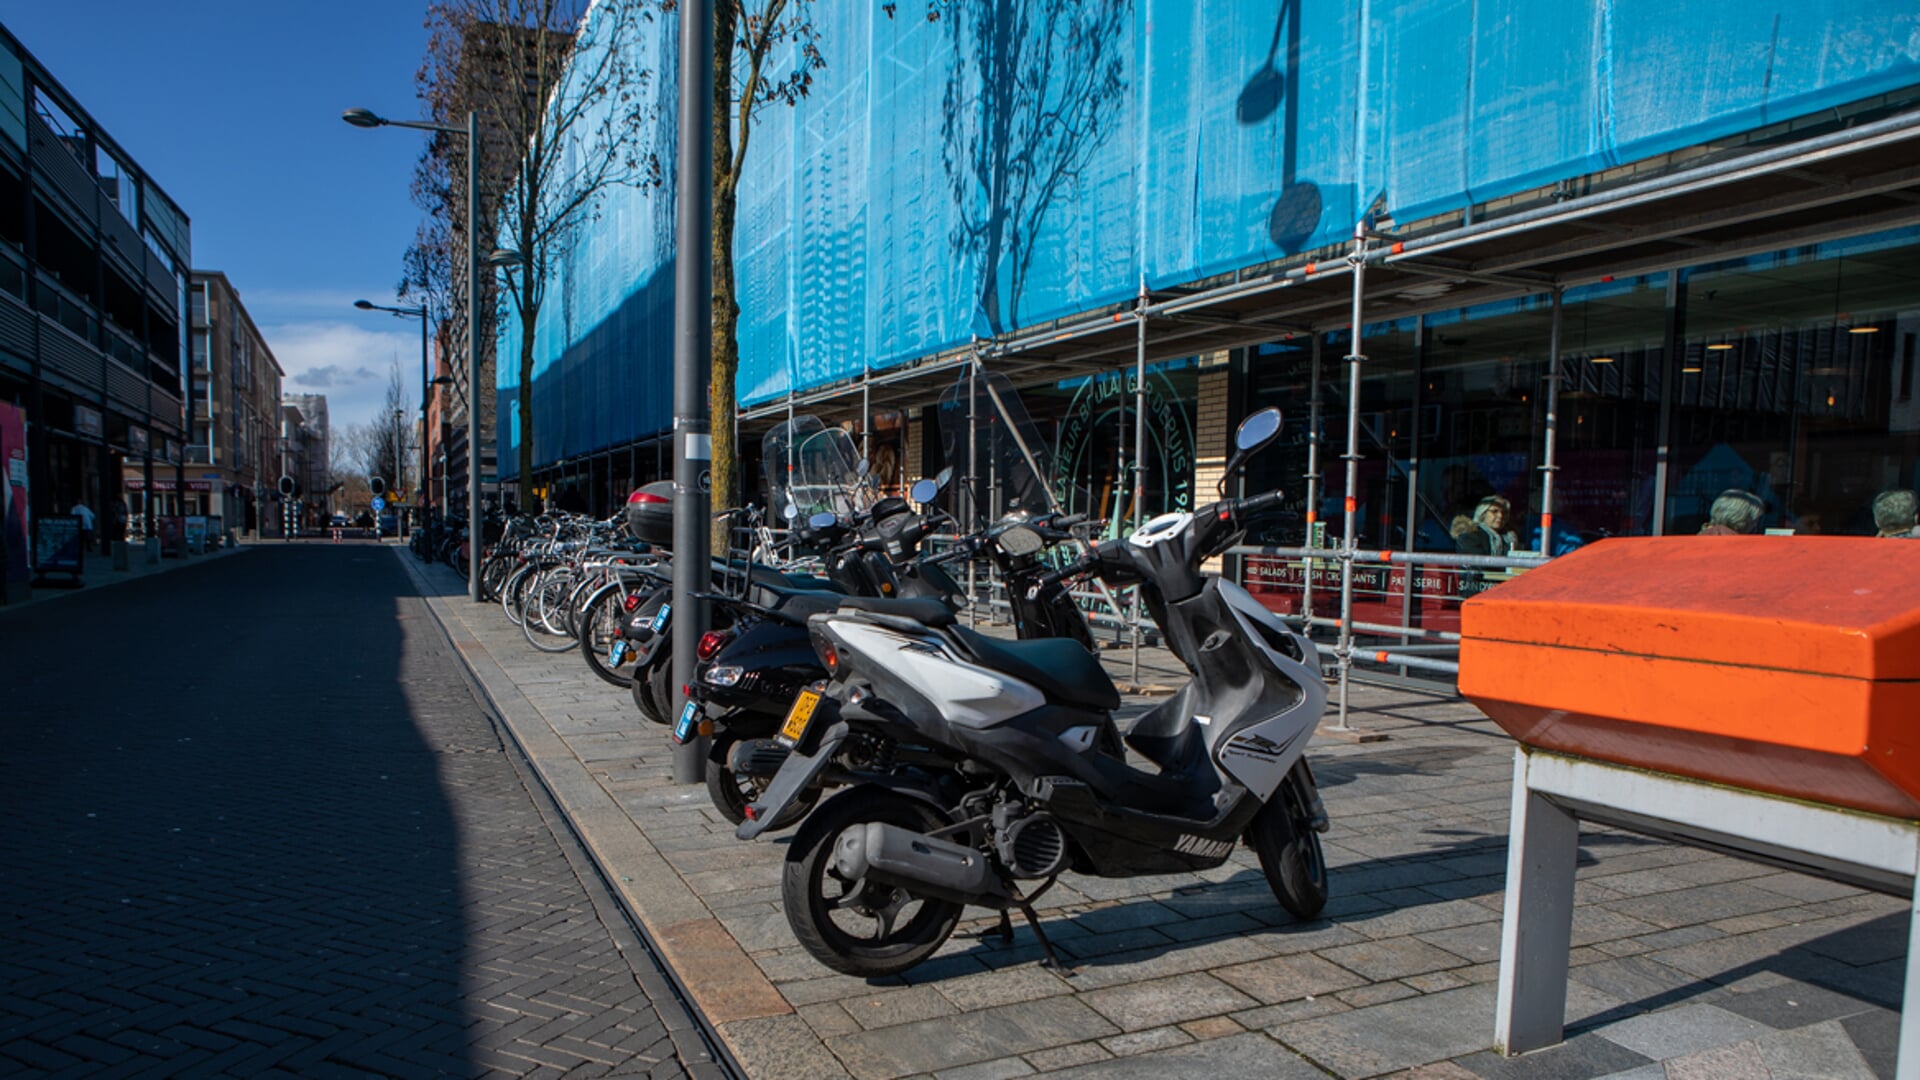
x,y
13,499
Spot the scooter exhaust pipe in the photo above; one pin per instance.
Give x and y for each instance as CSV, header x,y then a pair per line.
x,y
889,855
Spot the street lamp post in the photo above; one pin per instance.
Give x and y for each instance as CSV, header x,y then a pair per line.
x,y
421,314
365,118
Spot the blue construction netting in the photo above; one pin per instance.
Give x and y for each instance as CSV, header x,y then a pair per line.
x,y
1017,161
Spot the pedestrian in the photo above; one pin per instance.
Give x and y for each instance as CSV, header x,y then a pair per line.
x,y
1486,532
85,513
1734,513
1896,513
117,527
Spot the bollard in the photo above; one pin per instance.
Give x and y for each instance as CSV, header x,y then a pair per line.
x,y
153,550
120,560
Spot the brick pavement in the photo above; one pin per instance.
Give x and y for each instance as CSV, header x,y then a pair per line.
x,y
1687,963
260,824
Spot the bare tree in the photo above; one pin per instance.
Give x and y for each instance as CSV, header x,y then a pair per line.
x,y
562,122
746,33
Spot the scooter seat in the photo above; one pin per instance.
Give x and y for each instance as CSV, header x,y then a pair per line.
x,y
1061,668
920,609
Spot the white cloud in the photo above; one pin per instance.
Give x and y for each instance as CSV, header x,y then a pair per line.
x,y
348,362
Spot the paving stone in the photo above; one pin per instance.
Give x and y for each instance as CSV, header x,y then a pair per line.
x,y
1418,1030
1140,1042
828,1019
1130,916
1682,1030
1718,1063
1123,968
896,1006
1876,1035
1578,1058
1822,1051
1213,1027
1002,1069
1394,958
1643,982
1251,1056
1435,981
1376,994
1165,1001
1066,1057
948,1042
1792,1004
1272,1016
1701,904
1479,944
1284,978
1009,987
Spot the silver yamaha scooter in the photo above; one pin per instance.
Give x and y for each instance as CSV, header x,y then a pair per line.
x,y
980,766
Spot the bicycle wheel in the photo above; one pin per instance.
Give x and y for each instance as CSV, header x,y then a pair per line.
x,y
540,615
600,631
513,592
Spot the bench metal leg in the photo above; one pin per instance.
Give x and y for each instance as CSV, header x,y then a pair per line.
x,y
1536,928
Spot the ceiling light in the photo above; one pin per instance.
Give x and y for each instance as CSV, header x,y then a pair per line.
x,y
1720,346
1864,330
1690,371
1603,359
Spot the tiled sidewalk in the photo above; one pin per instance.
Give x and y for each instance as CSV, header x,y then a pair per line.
x,y
1687,964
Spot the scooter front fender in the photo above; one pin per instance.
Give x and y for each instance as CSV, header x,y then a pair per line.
x,y
796,775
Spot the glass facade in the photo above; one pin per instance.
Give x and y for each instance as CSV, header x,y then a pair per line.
x,y
1792,381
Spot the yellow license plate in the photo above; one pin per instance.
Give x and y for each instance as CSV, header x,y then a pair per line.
x,y
797,717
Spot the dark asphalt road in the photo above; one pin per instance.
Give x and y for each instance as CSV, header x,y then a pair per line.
x,y
257,822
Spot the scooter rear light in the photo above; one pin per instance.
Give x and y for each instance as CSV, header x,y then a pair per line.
x,y
752,813
633,601
832,656
710,644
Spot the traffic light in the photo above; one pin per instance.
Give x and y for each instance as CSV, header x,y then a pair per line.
x,y
378,486
286,485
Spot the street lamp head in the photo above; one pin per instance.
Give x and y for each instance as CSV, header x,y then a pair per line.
x,y
505,258
363,305
444,380
362,118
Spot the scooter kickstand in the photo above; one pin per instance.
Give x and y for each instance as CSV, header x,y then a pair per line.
x,y
1053,961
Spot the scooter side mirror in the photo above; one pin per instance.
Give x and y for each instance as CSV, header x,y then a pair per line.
x,y
924,491
1256,431
863,468
943,478
790,512
825,519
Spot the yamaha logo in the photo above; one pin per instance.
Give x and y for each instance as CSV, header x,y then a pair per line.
x,y
1203,847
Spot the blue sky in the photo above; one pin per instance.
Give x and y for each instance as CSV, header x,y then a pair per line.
x,y
233,106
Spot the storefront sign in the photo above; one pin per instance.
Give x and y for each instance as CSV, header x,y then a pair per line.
x,y
168,485
88,421
137,439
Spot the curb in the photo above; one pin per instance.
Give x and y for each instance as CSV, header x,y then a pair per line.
x,y
755,1028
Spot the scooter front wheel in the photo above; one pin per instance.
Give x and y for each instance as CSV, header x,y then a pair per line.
x,y
860,927
1290,853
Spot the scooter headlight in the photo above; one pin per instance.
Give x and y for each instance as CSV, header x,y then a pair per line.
x,y
724,675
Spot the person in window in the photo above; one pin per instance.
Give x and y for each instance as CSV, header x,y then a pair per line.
x,y
1486,532
1895,513
1734,513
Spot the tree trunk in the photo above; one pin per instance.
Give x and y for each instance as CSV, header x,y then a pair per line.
x,y
725,347
526,408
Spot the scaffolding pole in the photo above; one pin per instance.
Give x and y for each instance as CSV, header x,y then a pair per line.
x,y
1139,453
1313,469
1343,650
973,471
1552,436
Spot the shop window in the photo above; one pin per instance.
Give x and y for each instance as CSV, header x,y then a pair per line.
x,y
1797,385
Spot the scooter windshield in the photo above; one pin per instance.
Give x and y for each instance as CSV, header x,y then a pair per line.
x,y
813,468
1001,465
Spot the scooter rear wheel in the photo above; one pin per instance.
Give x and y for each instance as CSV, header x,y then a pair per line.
x,y
1290,853
859,927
